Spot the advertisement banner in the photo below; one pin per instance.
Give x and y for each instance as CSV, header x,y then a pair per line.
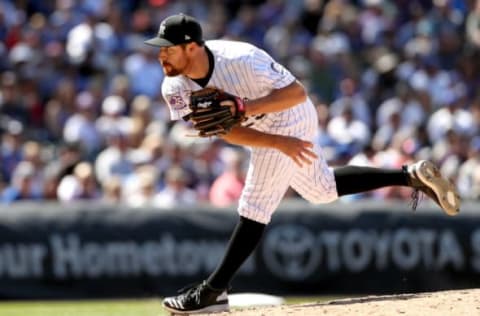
x,y
88,251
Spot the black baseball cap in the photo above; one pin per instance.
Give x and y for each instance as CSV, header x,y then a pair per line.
x,y
177,29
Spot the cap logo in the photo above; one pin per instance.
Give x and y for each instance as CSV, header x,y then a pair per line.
x,y
161,31
187,38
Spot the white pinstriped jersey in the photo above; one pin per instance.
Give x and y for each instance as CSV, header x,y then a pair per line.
x,y
249,72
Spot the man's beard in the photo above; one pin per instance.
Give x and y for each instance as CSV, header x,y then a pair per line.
x,y
171,71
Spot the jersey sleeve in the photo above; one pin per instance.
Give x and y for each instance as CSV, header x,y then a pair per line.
x,y
176,98
270,74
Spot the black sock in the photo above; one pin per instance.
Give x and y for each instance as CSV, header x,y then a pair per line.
x,y
244,240
356,179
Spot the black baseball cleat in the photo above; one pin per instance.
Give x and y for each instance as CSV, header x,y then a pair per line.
x,y
425,176
200,298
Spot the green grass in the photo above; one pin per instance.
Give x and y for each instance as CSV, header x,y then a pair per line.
x,y
141,307
83,308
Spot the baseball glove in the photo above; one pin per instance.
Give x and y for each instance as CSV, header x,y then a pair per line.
x,y
215,112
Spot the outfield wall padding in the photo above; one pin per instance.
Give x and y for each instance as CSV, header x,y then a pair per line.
x,y
54,251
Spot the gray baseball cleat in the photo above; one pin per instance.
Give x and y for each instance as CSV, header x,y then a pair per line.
x,y
200,298
425,176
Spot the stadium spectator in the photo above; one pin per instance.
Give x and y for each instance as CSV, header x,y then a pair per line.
x,y
81,185
347,131
227,187
112,117
32,153
142,188
175,193
10,148
80,127
22,185
112,191
350,95
114,160
473,26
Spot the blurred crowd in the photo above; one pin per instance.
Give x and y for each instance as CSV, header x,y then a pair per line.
x,y
82,116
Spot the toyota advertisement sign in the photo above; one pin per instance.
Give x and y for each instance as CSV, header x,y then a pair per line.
x,y
51,253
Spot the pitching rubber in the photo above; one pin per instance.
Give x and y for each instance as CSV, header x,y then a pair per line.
x,y
445,191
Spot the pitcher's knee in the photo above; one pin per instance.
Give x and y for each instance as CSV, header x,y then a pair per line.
x,y
260,216
322,199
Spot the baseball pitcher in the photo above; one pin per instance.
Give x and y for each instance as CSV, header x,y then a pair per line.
x,y
236,91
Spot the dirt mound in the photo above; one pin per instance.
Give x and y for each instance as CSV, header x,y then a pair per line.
x,y
460,302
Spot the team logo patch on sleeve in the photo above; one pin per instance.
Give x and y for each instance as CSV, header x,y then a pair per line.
x,y
277,68
176,102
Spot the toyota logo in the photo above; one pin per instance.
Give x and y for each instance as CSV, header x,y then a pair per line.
x,y
290,252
